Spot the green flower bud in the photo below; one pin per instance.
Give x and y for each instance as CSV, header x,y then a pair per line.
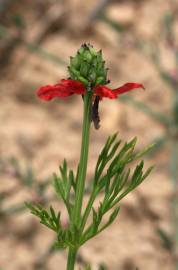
x,y
84,69
74,73
87,56
75,62
88,66
100,80
83,80
99,56
92,76
92,51
102,72
100,66
95,62
81,50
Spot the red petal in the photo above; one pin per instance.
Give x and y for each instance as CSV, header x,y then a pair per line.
x,y
103,91
50,91
75,86
127,87
64,89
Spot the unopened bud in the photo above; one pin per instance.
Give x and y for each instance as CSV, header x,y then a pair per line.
x,y
88,66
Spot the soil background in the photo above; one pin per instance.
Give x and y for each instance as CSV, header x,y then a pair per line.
x,y
39,135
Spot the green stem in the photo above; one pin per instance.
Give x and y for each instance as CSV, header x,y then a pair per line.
x,y
71,259
80,184
83,159
88,209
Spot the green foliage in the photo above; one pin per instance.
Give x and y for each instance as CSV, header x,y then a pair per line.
x,y
49,218
113,180
63,185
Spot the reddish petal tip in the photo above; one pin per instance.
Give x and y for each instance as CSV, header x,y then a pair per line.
x,y
63,89
104,92
128,87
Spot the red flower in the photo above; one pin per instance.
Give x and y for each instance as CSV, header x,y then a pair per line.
x,y
69,87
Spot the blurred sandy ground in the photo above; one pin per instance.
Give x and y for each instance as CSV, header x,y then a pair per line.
x,y
44,133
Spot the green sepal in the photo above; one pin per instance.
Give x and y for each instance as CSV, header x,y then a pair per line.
x,y
92,75
73,71
84,69
83,80
75,62
87,56
100,80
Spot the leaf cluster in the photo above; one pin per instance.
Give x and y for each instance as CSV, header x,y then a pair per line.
x,y
112,181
